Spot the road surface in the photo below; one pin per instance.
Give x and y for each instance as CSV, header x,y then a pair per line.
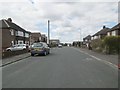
x,y
65,67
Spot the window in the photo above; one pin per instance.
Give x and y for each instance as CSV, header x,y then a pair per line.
x,y
12,32
108,33
27,42
99,36
12,43
16,42
26,35
96,37
92,38
20,42
113,33
40,38
16,33
86,40
19,33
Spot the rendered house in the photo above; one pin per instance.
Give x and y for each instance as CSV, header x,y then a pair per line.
x,y
87,39
114,31
101,34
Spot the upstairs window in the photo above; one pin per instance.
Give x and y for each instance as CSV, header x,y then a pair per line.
x,y
19,33
26,35
12,32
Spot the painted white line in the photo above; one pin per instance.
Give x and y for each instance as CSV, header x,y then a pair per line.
x,y
104,61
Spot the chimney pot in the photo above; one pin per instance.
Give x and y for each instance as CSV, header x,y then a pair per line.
x,y
9,19
104,27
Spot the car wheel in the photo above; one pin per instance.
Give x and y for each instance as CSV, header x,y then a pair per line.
x,y
8,50
24,49
48,52
32,54
45,53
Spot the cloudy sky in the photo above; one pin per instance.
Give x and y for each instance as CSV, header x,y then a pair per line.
x,y
69,21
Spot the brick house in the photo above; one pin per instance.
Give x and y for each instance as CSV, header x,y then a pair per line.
x,y
13,34
114,31
54,42
44,38
35,37
101,34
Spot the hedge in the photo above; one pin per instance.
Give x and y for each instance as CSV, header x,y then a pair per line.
x,y
108,45
8,54
112,44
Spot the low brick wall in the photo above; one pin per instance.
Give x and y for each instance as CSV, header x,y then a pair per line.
x,y
7,54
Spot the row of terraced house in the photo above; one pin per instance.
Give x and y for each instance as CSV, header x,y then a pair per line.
x,y
13,34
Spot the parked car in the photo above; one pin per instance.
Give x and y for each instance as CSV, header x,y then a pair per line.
x,y
39,48
17,47
60,46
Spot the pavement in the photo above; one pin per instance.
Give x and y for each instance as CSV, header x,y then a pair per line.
x,y
66,67
110,58
13,59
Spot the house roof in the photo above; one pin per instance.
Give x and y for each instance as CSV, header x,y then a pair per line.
x,y
3,24
87,37
6,24
43,35
102,31
116,27
36,34
54,40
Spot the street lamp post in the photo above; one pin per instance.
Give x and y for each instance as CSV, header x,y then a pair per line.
x,y
80,39
48,32
80,35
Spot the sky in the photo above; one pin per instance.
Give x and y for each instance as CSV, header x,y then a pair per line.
x,y
70,20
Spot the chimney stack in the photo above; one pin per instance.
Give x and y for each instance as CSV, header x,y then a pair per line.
x,y
104,27
9,19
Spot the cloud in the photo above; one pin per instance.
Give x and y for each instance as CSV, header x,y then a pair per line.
x,y
69,21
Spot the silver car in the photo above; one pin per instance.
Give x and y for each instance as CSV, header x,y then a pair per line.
x,y
39,48
17,47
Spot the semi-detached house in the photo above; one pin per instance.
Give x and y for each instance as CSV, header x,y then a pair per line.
x,y
13,34
114,31
101,34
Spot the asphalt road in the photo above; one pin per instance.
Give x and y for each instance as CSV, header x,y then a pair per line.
x,y
65,67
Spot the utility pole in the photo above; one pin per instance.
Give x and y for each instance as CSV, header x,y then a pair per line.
x,y
80,37
48,32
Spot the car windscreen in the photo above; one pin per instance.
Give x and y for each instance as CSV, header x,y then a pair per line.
x,y
37,45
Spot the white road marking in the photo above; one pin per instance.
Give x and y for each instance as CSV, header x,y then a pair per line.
x,y
104,61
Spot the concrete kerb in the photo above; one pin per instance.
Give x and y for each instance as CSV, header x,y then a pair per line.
x,y
98,58
16,60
